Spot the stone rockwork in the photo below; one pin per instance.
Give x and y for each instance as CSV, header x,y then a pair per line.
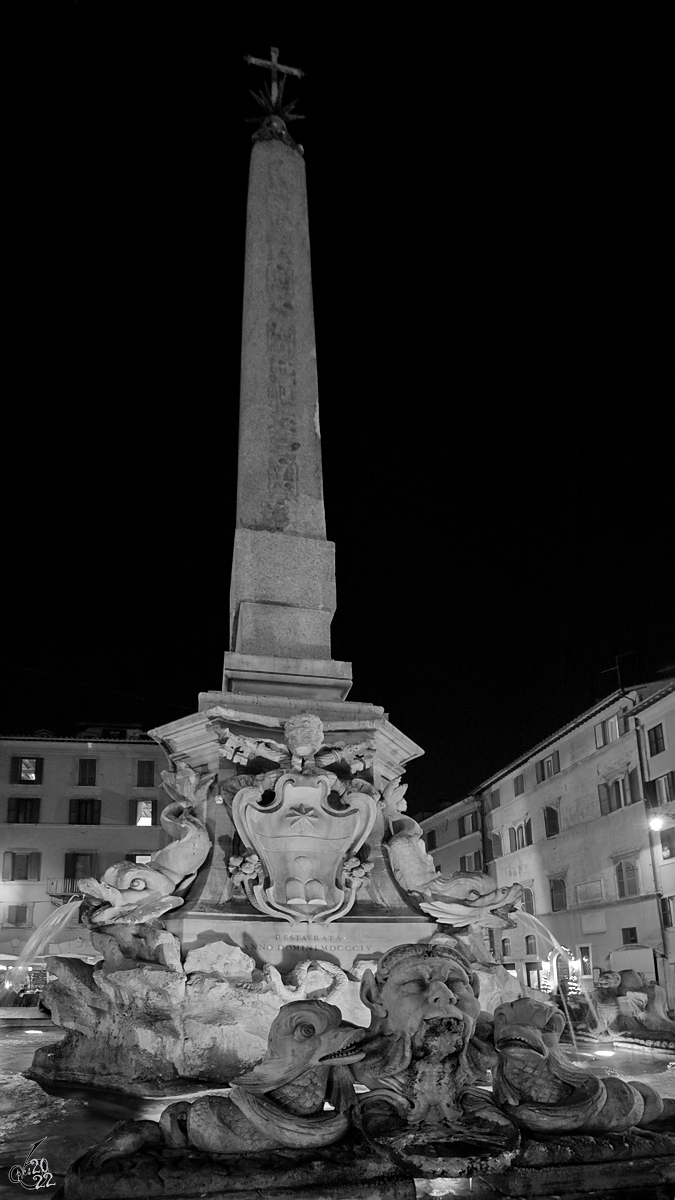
x,y
338,1112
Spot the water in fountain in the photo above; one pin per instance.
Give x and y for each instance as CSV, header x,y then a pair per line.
x,y
529,918
45,933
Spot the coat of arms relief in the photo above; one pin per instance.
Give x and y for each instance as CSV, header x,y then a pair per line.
x,y
303,823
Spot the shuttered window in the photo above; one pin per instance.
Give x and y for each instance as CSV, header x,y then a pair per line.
x,y
142,812
530,944
22,866
85,811
495,799
519,785
23,810
627,881
558,895
506,947
665,788
656,740
26,770
86,772
546,768
528,900
145,772
431,839
496,845
513,840
551,822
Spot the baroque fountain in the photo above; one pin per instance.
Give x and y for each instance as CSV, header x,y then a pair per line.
x,y
315,1003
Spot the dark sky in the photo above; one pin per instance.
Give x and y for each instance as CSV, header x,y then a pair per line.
x,y
488,222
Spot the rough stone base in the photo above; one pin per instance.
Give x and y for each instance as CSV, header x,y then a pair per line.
x,y
637,1164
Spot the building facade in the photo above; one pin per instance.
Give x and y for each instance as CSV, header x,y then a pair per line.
x,y
454,836
585,821
71,807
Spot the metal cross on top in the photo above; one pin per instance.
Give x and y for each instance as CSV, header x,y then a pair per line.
x,y
275,66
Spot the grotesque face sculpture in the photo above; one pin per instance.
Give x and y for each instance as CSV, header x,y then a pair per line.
x,y
414,984
424,1002
304,735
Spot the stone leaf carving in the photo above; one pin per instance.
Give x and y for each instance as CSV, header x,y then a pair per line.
x,y
463,898
303,839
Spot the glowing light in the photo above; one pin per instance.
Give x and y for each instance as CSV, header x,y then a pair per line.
x,y
604,1054
656,823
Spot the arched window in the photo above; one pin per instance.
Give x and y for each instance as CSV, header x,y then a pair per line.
x,y
558,895
496,845
627,880
506,947
530,944
528,900
551,822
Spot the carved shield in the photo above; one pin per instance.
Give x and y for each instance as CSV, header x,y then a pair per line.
x,y
303,839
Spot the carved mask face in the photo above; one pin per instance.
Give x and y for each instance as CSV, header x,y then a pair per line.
x,y
419,989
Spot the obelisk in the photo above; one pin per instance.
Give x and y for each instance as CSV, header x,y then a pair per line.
x,y
282,596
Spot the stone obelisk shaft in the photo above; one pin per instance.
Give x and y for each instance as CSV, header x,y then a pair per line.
x,y
282,596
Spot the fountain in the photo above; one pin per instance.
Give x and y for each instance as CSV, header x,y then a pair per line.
x,y
293,954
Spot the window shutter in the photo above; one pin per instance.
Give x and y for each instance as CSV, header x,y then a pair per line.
x,y
496,845
650,793
556,762
34,866
540,771
35,810
513,841
39,763
603,793
461,827
74,813
528,832
132,812
96,812
7,864
154,812
489,850
671,785
69,866
12,810
478,861
462,863
634,786
15,771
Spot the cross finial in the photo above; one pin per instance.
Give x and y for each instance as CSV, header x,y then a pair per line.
x,y
275,66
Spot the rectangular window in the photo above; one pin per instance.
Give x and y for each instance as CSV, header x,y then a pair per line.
x,y
558,895
471,862
85,812
141,859
145,772
656,740
629,936
668,842
430,836
627,882
142,812
607,731
23,810
20,915
665,788
462,863
546,768
668,911
533,974
473,822
494,799
586,959
460,827
519,785
86,774
26,770
23,866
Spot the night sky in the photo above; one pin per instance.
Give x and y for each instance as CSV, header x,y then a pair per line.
x,y
489,222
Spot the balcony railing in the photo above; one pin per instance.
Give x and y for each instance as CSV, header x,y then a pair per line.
x,y
62,887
